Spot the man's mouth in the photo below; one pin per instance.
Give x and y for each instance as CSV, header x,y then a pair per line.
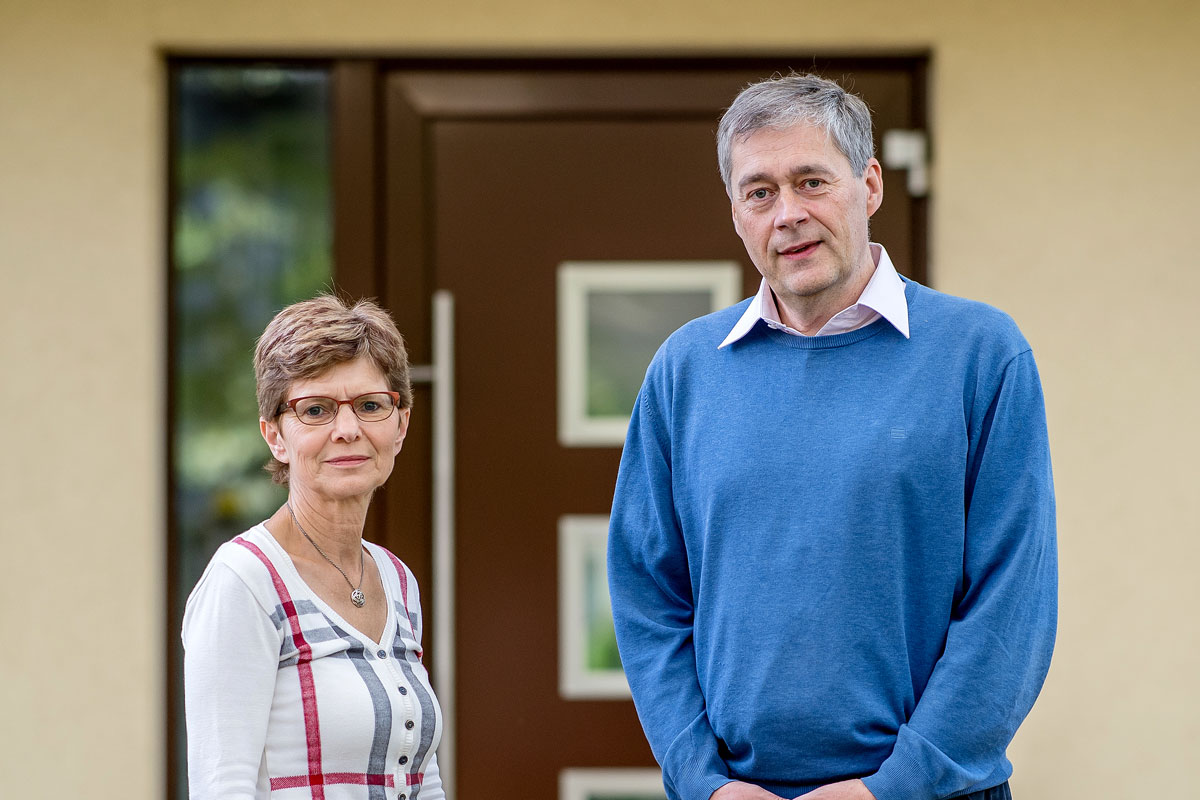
x,y
801,249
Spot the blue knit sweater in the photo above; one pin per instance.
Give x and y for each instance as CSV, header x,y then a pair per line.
x,y
834,557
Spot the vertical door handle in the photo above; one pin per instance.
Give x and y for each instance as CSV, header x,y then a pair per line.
x,y
440,375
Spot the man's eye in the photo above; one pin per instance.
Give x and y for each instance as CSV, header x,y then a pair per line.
x,y
759,194
814,183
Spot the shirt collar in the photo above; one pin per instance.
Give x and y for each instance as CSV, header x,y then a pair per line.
x,y
883,294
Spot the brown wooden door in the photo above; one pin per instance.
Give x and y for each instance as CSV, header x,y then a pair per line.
x,y
492,178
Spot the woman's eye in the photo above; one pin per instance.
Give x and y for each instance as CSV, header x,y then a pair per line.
x,y
316,411
369,406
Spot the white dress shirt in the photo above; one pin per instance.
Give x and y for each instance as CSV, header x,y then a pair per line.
x,y
883,296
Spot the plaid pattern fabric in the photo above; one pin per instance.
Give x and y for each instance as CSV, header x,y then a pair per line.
x,y
348,718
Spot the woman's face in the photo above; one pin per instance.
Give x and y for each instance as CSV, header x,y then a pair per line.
x,y
347,457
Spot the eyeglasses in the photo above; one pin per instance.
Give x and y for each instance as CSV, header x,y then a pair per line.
x,y
370,407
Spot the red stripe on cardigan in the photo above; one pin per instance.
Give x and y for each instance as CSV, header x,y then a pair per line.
x,y
400,570
308,694
345,778
328,779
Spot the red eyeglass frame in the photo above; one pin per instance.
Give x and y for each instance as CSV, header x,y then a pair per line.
x,y
291,405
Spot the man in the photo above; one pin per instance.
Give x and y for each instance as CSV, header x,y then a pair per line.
x,y
832,550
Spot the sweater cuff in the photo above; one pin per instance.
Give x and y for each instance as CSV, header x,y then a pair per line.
x,y
904,774
692,768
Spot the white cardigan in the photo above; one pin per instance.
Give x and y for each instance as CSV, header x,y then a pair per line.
x,y
286,700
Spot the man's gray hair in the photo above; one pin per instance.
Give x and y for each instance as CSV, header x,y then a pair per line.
x,y
782,102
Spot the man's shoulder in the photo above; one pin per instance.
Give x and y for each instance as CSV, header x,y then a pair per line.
x,y
972,322
704,334
692,348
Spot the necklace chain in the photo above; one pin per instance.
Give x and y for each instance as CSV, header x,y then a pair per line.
x,y
356,594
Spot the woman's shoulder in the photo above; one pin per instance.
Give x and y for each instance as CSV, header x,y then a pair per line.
x,y
240,576
250,559
251,554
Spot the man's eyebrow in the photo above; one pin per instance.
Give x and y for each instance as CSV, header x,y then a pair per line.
x,y
794,172
749,179
809,169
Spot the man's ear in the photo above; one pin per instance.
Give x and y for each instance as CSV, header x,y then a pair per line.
x,y
402,431
274,439
873,179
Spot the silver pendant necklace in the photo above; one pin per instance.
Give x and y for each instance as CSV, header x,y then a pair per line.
x,y
356,594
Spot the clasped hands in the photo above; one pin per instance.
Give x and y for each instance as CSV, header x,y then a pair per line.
x,y
842,790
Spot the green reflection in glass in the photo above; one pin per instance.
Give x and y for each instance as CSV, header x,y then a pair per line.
x,y
251,233
624,329
601,635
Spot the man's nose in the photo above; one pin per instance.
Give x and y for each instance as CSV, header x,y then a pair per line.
x,y
790,209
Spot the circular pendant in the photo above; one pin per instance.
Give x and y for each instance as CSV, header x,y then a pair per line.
x,y
358,598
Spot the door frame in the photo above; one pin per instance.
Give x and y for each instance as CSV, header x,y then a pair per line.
x,y
366,249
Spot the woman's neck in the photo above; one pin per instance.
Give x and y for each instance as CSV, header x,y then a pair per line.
x,y
336,527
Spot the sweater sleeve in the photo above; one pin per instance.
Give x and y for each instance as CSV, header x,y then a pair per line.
x,y
653,612
231,657
1001,633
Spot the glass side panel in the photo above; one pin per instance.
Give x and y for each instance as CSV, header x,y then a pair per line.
x,y
251,232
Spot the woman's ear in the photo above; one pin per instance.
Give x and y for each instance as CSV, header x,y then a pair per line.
x,y
274,439
402,431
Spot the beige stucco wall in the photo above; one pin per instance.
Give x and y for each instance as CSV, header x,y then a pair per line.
x,y
1064,192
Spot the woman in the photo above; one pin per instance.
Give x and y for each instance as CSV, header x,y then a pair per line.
x,y
302,667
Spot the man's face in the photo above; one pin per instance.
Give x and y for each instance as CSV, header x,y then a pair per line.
x,y
802,214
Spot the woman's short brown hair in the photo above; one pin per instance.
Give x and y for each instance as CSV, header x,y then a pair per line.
x,y
308,338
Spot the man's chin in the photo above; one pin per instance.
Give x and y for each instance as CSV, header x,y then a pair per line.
x,y
811,283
